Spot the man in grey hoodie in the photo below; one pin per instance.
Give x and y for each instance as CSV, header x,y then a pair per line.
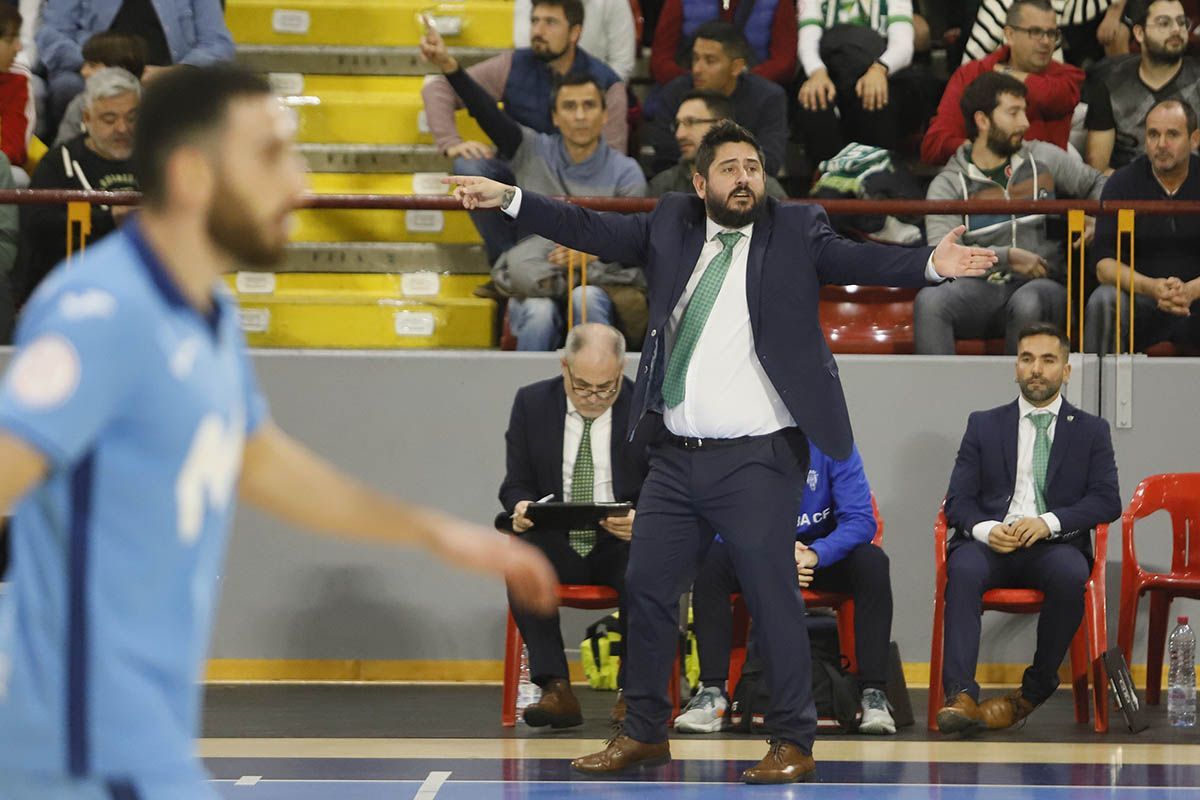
x,y
995,163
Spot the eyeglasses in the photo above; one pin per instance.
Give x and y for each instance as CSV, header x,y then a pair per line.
x,y
598,392
1044,34
691,122
1166,23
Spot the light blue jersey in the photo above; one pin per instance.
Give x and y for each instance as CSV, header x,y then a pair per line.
x,y
141,405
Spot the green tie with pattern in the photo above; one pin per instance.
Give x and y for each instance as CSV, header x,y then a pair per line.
x,y
1041,456
583,483
694,317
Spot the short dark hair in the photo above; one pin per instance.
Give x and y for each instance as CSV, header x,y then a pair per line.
x,y
180,108
1189,113
725,34
1014,11
10,19
724,132
572,9
575,79
116,49
1138,11
1046,329
718,104
983,94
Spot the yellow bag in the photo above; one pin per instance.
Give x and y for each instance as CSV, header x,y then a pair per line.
x,y
600,652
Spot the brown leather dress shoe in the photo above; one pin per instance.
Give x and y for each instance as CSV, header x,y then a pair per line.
x,y
558,708
784,763
960,715
622,753
1005,711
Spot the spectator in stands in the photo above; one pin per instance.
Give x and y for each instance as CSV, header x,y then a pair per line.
x,y
523,80
1092,29
719,58
698,112
857,86
1052,89
17,114
574,160
1032,480
1027,283
834,529
9,234
1166,282
1116,117
768,26
609,32
106,49
175,32
566,440
97,160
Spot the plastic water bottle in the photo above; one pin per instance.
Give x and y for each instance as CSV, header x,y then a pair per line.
x,y
528,692
1181,681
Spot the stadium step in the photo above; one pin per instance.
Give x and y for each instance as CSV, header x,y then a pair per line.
x,y
418,310
374,225
364,109
337,60
368,23
385,257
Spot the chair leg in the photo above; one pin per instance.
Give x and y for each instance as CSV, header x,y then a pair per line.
x,y
512,673
1156,642
1127,616
936,649
845,618
1079,671
1096,621
737,651
673,689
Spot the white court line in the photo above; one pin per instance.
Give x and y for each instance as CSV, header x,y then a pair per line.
x,y
433,782
631,784
248,780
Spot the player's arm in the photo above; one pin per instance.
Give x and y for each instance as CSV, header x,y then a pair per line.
x,y
281,476
23,468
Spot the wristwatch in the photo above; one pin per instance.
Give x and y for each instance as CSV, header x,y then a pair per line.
x,y
509,194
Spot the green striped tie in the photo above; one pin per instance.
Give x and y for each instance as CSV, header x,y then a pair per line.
x,y
1041,456
694,317
583,483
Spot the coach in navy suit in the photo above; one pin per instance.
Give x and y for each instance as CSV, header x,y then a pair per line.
x,y
1032,480
736,368
566,440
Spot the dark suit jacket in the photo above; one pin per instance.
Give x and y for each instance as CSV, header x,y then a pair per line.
x,y
534,446
792,252
1081,478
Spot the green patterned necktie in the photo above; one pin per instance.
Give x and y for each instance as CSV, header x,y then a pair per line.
x,y
1041,456
694,317
583,484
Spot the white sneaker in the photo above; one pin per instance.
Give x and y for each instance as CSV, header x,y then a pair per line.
x,y
896,232
705,713
876,713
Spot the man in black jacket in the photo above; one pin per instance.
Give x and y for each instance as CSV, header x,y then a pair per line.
x,y
96,160
566,441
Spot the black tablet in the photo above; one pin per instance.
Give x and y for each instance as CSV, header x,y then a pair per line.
x,y
574,516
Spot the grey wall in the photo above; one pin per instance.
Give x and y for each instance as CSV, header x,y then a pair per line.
x,y
429,426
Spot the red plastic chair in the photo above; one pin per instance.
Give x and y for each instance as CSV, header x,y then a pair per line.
x,y
842,604
1179,495
570,596
1090,640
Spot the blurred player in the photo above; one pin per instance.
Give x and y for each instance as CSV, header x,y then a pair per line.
x,y
128,418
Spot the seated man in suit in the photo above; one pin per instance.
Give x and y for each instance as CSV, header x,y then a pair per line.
x,y
834,529
1031,481
565,440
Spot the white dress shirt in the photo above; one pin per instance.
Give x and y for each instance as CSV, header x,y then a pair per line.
x,y
1024,497
601,436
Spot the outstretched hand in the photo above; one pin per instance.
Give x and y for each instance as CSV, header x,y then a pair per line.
x,y
475,192
954,260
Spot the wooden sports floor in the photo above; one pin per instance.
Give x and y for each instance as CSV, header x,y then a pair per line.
x,y
413,741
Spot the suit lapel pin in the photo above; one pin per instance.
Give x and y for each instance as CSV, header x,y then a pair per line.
x,y
1070,417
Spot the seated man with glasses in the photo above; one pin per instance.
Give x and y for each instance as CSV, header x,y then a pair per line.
x,y
1052,89
1119,103
698,112
566,441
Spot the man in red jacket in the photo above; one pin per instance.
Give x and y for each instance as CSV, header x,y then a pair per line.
x,y
1031,36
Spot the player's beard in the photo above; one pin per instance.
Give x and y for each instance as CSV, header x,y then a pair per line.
x,y
726,216
234,229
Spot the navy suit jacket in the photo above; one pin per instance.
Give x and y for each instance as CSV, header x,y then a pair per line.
x,y
534,446
793,250
1081,477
